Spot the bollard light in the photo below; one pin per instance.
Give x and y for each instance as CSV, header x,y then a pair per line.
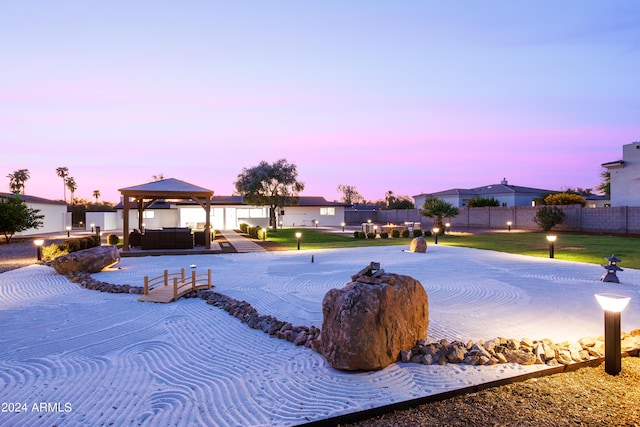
x,y
298,236
509,225
343,224
612,305
92,227
38,243
315,221
264,234
68,228
436,230
552,241
447,227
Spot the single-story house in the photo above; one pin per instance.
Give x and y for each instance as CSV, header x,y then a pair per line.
x,y
55,220
625,177
506,194
227,212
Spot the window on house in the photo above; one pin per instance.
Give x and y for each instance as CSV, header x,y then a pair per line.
x,y
327,211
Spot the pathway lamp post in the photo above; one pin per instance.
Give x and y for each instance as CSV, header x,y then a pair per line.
x,y
343,224
447,228
436,231
298,236
92,227
264,234
38,243
552,241
509,225
68,228
315,221
612,305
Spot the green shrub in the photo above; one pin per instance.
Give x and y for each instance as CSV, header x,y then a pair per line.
x,y
53,251
384,235
82,243
371,235
427,233
262,235
405,233
548,217
479,202
72,244
112,239
565,199
395,233
361,235
417,233
356,234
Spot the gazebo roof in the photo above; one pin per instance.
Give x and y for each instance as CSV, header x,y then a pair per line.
x,y
169,187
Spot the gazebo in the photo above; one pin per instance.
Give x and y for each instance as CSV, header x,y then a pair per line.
x,y
170,188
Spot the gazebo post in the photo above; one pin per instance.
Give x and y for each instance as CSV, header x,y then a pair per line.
x,y
125,224
207,234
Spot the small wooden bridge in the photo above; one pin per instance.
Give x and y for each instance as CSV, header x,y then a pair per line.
x,y
171,286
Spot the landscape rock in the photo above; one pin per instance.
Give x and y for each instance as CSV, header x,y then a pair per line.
x,y
370,321
92,260
419,244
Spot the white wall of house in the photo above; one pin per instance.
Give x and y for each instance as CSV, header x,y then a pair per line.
x,y
304,216
625,179
55,219
104,220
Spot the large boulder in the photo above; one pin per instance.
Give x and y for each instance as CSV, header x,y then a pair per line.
x,y
419,244
371,320
90,260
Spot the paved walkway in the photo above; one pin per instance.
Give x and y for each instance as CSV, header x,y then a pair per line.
x,y
240,243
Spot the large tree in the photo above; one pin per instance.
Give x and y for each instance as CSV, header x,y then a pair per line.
x,y
270,184
17,180
350,194
96,194
605,185
438,209
63,172
16,216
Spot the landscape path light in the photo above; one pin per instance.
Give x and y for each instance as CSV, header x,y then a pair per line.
x,y
612,305
509,225
447,227
68,228
436,230
343,224
298,236
38,243
264,234
552,241
92,227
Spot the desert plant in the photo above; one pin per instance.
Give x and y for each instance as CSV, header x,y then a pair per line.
x,y
113,239
53,251
438,209
548,217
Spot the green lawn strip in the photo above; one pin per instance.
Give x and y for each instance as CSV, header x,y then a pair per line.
x,y
570,247
312,239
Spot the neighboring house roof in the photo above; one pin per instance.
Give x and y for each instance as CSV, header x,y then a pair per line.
x,y
33,199
613,165
487,190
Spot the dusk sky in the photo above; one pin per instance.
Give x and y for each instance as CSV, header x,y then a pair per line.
x,y
407,96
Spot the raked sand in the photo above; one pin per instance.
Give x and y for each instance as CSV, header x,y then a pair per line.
x,y
71,356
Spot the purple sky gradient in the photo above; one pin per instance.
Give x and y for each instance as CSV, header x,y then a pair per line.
x,y
411,96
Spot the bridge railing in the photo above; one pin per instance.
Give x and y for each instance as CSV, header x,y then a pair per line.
x,y
179,281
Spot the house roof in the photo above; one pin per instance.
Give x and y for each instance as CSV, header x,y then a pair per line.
x,y
613,165
33,199
488,190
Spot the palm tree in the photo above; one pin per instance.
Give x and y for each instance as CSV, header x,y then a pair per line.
x,y
72,186
63,172
96,194
17,180
438,209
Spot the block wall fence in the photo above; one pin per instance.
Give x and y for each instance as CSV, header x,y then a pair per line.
x,y
615,220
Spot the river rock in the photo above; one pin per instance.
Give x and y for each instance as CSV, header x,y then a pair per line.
x,y
90,260
371,320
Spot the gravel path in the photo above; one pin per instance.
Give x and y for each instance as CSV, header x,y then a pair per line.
x,y
21,252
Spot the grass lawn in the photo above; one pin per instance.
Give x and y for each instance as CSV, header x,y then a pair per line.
x,y
570,247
